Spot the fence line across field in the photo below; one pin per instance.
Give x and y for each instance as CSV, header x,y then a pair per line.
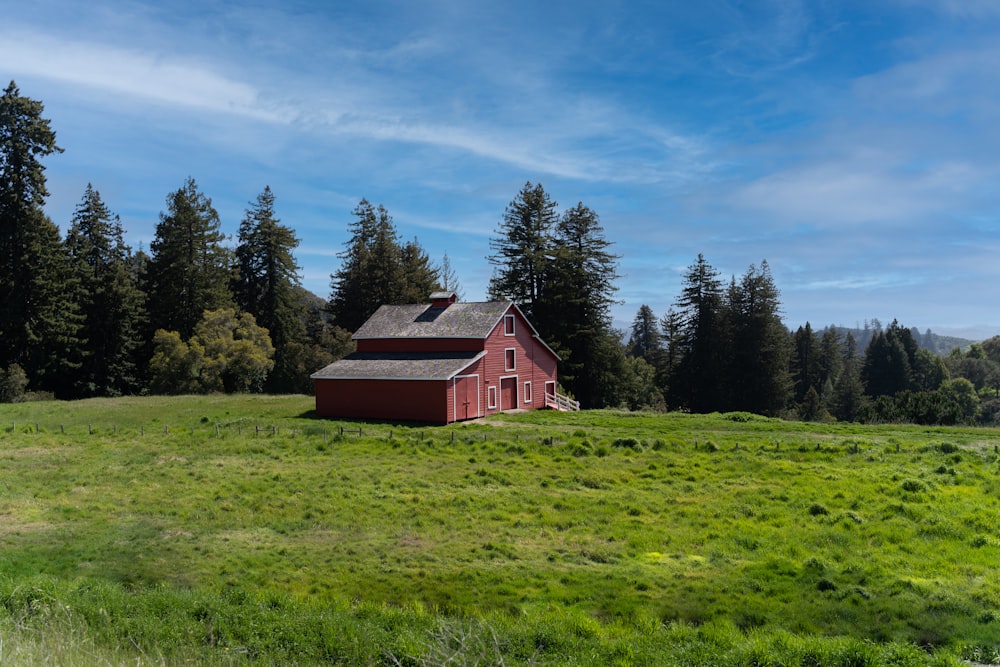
x,y
339,431
332,431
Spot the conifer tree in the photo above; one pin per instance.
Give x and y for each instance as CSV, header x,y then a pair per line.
x,y
376,269
189,270
420,277
666,370
645,338
108,298
805,363
848,391
757,377
888,364
522,249
578,292
37,320
699,342
447,279
266,284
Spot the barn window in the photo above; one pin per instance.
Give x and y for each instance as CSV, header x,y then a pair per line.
x,y
508,325
509,359
527,392
491,401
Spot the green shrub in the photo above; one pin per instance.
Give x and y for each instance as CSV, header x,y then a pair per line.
x,y
818,510
627,443
13,384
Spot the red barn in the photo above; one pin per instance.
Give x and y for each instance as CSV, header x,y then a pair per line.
x,y
440,362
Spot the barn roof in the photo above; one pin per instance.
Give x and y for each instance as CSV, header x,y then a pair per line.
x,y
399,366
458,320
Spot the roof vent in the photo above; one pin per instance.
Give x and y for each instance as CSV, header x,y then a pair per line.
x,y
443,299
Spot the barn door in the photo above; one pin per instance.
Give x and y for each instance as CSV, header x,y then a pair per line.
x,y
467,397
508,393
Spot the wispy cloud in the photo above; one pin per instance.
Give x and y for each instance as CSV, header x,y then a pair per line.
x,y
853,147
163,79
961,8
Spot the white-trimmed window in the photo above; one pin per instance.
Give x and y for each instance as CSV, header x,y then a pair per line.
x,y
491,398
510,359
527,392
508,325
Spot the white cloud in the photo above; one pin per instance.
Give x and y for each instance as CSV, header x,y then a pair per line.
x,y
158,78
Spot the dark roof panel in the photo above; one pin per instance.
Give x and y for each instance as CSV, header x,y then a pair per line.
x,y
399,366
459,320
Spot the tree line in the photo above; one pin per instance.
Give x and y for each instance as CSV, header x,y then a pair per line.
x,y
86,315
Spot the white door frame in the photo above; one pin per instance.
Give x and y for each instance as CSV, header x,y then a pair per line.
x,y
500,391
454,395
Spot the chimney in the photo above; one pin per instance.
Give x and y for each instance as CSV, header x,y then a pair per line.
x,y
443,299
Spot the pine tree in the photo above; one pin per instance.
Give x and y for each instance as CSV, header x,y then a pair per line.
x,y
666,370
522,249
447,279
108,298
806,370
757,376
575,315
420,277
848,391
266,282
37,320
189,271
645,340
376,269
889,362
697,379
831,362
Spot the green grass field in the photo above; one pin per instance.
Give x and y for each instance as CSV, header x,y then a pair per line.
x,y
224,530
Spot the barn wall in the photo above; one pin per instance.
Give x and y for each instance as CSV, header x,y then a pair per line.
x,y
533,363
402,400
477,369
420,345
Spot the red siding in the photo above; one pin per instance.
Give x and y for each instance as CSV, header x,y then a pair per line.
x,y
404,400
455,396
445,401
419,345
534,363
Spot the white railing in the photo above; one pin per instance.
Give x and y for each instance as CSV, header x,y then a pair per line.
x,y
559,402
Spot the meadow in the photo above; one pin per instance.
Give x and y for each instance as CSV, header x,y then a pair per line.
x,y
232,530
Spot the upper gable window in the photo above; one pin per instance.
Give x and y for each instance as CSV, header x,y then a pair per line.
x,y
508,325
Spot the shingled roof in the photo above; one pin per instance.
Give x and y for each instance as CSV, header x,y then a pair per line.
x,y
399,366
459,320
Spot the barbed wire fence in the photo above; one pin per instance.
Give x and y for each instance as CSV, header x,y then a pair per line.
x,y
329,432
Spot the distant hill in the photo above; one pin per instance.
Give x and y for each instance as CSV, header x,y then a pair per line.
x,y
927,340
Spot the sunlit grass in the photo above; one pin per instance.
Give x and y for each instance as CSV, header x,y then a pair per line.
x,y
625,528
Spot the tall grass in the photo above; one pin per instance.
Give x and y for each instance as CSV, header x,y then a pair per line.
x,y
235,529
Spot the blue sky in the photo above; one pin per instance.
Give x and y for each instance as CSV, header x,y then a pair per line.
x,y
853,145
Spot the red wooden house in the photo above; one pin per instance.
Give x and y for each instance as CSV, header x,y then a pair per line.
x,y
440,362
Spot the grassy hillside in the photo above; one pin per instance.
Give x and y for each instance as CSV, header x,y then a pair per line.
x,y
219,529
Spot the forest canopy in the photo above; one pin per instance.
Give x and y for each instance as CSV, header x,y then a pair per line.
x,y
87,315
